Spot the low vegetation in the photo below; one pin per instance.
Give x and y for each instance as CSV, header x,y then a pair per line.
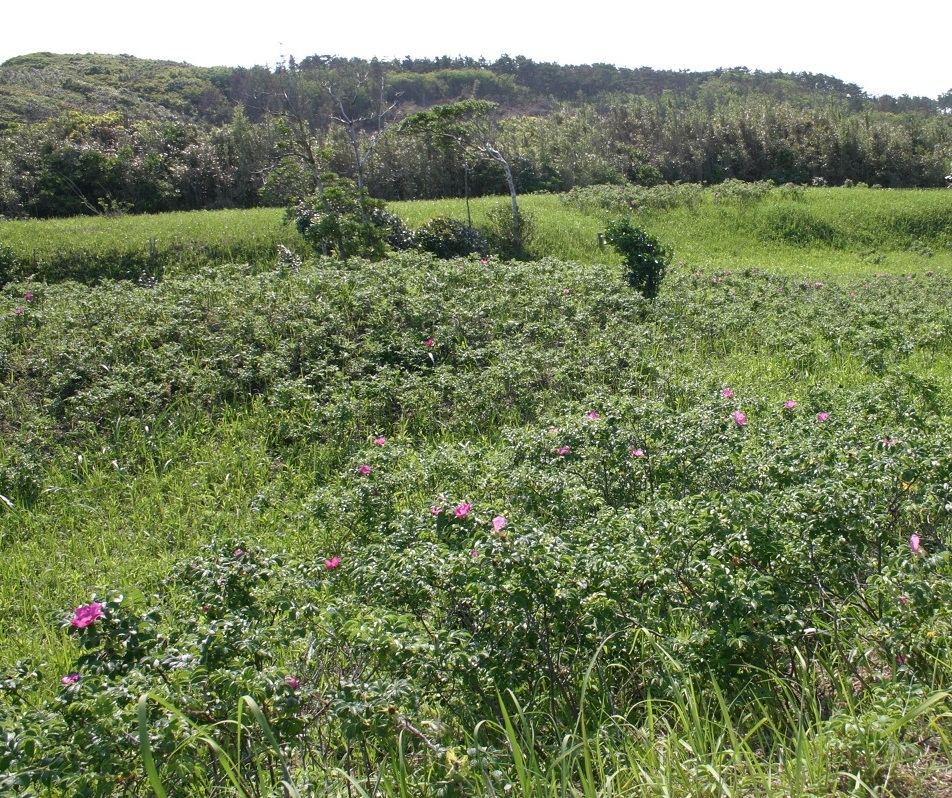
x,y
303,525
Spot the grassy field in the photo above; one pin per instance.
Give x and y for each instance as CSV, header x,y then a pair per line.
x,y
467,527
806,232
124,247
823,233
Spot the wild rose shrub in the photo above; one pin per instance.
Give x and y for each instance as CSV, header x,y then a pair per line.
x,y
732,550
648,534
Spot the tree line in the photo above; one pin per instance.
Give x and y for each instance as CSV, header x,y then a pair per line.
x,y
154,136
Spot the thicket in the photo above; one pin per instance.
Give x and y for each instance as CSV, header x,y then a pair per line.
x,y
472,525
239,138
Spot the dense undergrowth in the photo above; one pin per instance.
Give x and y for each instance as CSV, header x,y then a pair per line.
x,y
457,527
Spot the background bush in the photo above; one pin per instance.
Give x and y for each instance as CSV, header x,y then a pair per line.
x,y
646,258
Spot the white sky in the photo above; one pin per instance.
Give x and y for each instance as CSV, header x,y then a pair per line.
x,y
885,48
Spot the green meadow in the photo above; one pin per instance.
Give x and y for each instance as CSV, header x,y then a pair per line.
x,y
278,524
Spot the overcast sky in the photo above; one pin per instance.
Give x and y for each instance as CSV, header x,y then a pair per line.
x,y
894,48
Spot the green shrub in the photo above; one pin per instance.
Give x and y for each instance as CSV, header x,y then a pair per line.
x,y
450,238
501,234
741,192
9,264
342,220
646,258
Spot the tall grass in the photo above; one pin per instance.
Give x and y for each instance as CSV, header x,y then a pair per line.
x,y
821,232
125,247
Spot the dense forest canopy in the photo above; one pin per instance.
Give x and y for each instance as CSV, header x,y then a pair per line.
x,y
103,133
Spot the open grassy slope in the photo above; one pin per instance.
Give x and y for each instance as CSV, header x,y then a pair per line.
x,y
819,233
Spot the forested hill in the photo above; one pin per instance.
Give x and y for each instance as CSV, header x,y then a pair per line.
x,y
94,133
39,86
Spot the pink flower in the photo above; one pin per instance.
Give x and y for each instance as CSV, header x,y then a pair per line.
x,y
637,453
364,470
889,442
483,261
593,415
739,418
18,312
28,296
237,553
435,510
903,600
332,563
292,682
822,416
727,393
790,404
914,545
475,552
818,284
70,678
566,291
86,615
462,510
499,522
900,659
428,342
381,441
563,450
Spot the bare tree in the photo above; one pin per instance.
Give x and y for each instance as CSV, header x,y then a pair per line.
x,y
373,119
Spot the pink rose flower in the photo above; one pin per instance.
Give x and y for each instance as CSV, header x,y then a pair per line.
x,y
462,510
332,563
87,615
739,418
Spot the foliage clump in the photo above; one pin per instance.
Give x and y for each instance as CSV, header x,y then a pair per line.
x,y
9,264
342,220
741,192
508,236
646,258
450,238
